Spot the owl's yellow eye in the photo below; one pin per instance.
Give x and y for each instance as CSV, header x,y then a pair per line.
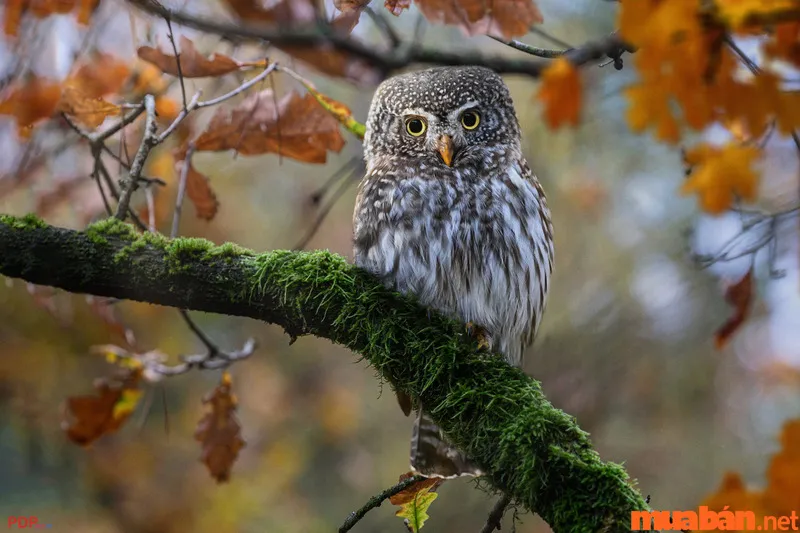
x,y
470,120
416,126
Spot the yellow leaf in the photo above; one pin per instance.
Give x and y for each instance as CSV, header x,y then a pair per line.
x,y
736,12
340,111
126,403
561,92
719,174
416,511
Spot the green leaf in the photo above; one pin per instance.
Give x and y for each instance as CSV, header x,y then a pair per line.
x,y
416,510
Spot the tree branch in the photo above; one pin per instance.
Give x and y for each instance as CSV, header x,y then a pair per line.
x,y
387,61
376,501
534,453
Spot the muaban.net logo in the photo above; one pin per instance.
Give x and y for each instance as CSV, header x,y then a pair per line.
x,y
705,519
26,522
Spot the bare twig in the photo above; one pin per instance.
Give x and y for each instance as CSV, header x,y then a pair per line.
x,y
182,115
376,501
401,57
151,209
496,516
316,196
323,213
385,27
127,119
549,37
240,89
148,142
545,53
176,216
171,37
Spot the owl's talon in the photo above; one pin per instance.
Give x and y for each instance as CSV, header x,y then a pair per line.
x,y
479,334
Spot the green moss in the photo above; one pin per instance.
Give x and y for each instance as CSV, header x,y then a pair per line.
x,y
494,412
228,251
110,227
29,221
185,252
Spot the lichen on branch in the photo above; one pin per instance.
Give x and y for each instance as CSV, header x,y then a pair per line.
x,y
534,453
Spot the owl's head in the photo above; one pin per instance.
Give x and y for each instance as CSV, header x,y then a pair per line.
x,y
441,117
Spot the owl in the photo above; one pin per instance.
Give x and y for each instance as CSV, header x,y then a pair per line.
x,y
450,212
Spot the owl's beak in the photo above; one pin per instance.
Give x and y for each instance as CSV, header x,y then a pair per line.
x,y
445,147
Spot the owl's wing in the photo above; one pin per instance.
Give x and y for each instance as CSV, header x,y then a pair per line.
x,y
543,268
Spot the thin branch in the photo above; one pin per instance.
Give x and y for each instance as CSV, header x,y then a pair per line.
x,y
376,501
182,115
171,37
322,33
496,516
148,142
323,213
316,196
127,119
388,30
552,38
176,216
240,89
545,53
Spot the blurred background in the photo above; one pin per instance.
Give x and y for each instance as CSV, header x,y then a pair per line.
x,y
627,343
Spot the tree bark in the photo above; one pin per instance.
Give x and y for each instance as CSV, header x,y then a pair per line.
x,y
535,453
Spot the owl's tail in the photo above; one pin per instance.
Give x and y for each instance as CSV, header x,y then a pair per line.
x,y
433,456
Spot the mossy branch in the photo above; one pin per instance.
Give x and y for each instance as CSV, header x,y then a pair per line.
x,y
534,452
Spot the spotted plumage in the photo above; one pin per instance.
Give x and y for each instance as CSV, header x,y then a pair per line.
x,y
450,212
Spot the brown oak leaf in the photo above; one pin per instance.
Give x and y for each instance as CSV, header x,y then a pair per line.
x,y
739,295
505,18
193,64
219,431
298,127
85,109
105,412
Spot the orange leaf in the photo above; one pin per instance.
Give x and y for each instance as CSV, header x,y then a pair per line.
x,y
396,7
104,413
12,16
781,497
298,128
45,8
718,174
783,475
506,18
167,109
147,78
100,75
739,295
406,495
219,431
86,9
29,102
90,112
561,93
193,64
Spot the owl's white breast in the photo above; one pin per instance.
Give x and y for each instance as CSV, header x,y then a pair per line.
x,y
467,246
